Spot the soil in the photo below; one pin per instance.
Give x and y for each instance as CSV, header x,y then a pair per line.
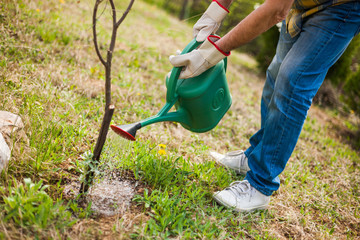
x,y
108,196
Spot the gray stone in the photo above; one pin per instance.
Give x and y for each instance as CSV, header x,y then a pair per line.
x,y
9,124
4,153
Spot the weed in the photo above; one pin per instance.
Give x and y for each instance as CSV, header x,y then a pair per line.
x,y
30,207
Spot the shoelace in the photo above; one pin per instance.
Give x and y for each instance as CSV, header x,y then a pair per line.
x,y
240,188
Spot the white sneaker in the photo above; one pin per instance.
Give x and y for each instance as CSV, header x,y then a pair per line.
x,y
235,160
241,196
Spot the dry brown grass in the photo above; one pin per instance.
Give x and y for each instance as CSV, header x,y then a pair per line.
x,y
316,185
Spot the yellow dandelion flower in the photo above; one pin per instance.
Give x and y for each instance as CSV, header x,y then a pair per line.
x,y
38,10
162,152
61,1
162,145
138,94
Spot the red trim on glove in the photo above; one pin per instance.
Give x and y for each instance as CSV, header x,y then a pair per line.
x,y
221,5
213,43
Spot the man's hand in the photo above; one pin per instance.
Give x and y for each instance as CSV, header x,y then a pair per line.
x,y
199,60
210,21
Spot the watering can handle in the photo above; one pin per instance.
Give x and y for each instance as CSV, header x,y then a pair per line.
x,y
175,73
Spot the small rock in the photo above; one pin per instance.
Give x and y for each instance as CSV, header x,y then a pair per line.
x,y
4,153
9,120
10,123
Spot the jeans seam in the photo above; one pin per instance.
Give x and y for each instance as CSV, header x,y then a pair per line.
x,y
296,81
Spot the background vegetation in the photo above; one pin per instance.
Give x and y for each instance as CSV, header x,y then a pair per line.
x,y
342,77
51,77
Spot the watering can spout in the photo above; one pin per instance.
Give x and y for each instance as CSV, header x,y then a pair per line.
x,y
127,131
180,116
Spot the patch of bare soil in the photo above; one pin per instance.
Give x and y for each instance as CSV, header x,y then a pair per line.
x,y
108,196
114,214
337,128
115,227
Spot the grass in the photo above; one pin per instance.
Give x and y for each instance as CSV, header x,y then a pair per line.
x,y
30,207
51,77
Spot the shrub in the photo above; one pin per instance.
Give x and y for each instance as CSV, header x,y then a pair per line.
x,y
342,69
268,42
351,94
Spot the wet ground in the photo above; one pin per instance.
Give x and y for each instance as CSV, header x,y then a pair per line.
x,y
108,196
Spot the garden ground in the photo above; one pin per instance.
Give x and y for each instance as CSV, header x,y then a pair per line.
x,y
51,77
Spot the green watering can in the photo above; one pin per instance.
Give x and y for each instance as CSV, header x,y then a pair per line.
x,y
200,102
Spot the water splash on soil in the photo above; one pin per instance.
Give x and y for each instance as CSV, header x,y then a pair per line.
x,y
109,196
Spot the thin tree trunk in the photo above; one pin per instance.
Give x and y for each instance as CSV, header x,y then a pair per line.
x,y
166,4
109,108
184,10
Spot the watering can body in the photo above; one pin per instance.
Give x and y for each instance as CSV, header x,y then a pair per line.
x,y
200,102
205,99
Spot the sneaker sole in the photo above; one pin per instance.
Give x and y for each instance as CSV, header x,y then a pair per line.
x,y
261,207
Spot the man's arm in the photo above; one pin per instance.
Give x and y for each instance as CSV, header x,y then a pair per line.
x,y
225,3
257,22
214,49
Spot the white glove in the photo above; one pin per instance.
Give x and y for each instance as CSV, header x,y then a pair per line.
x,y
210,21
199,60
178,52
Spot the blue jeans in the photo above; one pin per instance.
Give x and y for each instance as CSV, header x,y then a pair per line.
x,y
292,80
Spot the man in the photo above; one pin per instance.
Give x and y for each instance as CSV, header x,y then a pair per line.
x,y
313,36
